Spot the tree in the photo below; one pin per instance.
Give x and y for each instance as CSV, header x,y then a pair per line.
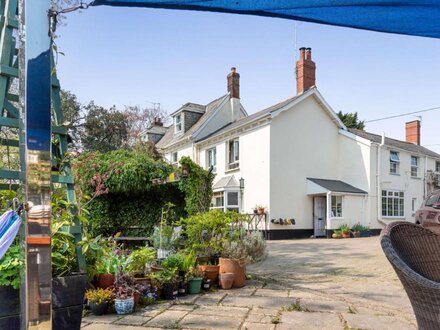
x,y
351,120
72,112
140,118
104,129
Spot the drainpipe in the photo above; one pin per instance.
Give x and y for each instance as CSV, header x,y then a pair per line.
x,y
328,202
425,184
378,192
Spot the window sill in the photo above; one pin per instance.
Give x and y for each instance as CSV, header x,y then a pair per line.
x,y
396,174
416,178
235,169
393,218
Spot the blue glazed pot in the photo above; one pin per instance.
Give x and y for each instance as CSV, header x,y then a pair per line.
x,y
124,306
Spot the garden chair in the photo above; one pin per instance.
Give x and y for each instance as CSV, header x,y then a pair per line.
x,y
414,253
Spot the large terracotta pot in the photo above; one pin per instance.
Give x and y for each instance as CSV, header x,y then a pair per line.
x,y
236,266
226,280
106,281
210,272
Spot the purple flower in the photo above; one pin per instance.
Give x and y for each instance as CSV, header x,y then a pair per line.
x,y
118,252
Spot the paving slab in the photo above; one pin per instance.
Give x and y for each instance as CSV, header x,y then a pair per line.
x,y
309,321
133,320
333,306
166,319
103,326
245,292
364,322
257,301
219,321
181,307
188,299
261,315
221,310
107,318
206,300
257,326
272,293
151,310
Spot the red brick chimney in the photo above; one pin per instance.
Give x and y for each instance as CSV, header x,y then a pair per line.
x,y
305,71
234,83
413,132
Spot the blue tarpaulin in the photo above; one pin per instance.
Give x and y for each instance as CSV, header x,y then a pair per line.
x,y
411,17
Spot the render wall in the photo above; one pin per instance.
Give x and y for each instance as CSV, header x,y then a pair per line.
x,y
304,143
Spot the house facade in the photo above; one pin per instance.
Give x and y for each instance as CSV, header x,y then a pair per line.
x,y
299,161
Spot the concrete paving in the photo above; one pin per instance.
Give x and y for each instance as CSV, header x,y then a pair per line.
x,y
303,284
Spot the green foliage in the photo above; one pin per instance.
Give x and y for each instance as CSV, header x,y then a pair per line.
x,y
197,187
99,296
116,189
71,109
174,261
163,276
209,232
140,258
11,265
6,197
344,229
356,227
104,129
189,261
351,120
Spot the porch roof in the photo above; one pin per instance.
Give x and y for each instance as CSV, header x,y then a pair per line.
x,y
319,186
226,182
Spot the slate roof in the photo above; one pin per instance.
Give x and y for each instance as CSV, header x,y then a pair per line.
x,y
169,138
410,147
251,117
337,186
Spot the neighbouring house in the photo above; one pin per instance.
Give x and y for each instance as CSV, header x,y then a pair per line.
x,y
299,161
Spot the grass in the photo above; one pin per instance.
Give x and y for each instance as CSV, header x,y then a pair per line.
x,y
294,307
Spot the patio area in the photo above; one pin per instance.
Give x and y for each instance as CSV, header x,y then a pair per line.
x,y
303,284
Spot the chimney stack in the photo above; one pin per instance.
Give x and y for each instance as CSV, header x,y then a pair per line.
x,y
157,122
305,71
412,129
234,83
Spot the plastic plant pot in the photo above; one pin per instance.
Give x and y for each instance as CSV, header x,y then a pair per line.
x,y
195,285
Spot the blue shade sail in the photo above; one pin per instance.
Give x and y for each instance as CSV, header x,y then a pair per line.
x,y
411,17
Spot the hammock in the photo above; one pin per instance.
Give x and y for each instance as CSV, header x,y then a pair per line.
x,y
9,225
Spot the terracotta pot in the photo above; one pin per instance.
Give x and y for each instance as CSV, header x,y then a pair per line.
x,y
136,297
156,269
235,266
346,235
106,281
261,211
226,280
210,272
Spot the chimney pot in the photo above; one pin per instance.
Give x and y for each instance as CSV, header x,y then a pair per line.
x,y
234,83
412,130
305,71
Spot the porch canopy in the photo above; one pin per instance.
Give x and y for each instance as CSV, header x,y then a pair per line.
x,y
417,18
324,186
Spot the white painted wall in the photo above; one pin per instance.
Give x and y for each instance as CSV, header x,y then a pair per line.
x,y
304,142
184,151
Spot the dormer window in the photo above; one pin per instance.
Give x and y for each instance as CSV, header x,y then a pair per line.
x,y
178,123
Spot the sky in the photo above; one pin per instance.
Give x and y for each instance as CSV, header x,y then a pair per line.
x,y
138,56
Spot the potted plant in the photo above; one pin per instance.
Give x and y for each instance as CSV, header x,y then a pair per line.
x,y
337,234
365,231
138,262
345,230
260,209
356,230
98,300
124,301
167,280
195,278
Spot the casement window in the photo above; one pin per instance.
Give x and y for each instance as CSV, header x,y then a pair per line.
x,y
226,201
174,158
211,159
336,206
233,154
393,204
178,123
394,162
414,166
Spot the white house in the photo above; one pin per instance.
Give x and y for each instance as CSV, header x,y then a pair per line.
x,y
299,161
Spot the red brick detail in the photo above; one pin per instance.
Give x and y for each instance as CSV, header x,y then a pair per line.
x,y
412,129
305,71
234,83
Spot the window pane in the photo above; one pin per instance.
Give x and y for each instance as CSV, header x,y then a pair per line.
x,y
232,198
394,156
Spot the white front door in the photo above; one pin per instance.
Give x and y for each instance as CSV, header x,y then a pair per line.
x,y
319,216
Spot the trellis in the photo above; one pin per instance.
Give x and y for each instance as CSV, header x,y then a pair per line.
x,y
10,119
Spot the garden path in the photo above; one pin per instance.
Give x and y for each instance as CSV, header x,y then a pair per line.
x,y
303,284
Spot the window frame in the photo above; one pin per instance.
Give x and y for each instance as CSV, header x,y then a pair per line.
x,y
174,160
233,147
178,123
437,172
209,152
225,200
394,163
336,215
415,167
390,199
